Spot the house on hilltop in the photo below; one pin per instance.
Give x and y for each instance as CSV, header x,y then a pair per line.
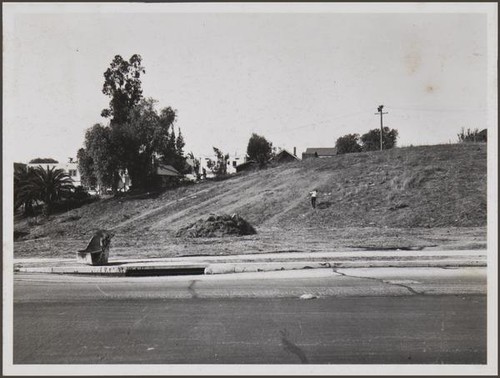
x,y
320,152
248,165
167,174
166,170
284,157
231,163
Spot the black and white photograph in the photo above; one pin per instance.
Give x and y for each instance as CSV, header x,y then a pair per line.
x,y
250,188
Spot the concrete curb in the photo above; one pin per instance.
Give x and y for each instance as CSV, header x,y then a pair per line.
x,y
257,262
182,268
123,270
258,267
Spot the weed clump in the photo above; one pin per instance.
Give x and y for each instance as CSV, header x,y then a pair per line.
x,y
18,235
217,226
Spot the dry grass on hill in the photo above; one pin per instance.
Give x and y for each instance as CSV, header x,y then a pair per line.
x,y
404,193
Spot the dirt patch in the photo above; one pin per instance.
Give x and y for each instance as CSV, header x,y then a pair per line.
x,y
70,218
161,243
217,226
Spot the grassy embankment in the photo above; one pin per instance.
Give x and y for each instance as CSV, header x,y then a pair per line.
x,y
428,196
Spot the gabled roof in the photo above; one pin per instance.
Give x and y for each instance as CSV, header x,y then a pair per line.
x,y
284,153
321,151
166,170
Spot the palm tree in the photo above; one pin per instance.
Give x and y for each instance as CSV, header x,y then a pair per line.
x,y
23,190
49,185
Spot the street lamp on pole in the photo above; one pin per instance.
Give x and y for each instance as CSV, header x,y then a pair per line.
x,y
380,111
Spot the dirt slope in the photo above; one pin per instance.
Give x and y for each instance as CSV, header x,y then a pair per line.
x,y
406,188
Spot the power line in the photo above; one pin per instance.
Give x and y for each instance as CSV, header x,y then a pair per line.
x,y
440,110
317,123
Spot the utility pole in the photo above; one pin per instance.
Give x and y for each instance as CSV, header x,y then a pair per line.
x,y
381,124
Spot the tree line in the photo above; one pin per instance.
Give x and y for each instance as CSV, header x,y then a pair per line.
x,y
371,140
466,136
367,142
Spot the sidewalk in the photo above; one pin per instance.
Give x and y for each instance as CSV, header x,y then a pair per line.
x,y
257,263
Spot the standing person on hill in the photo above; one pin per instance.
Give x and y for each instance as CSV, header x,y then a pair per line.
x,y
313,194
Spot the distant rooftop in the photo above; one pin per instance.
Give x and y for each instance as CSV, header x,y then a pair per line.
x,y
167,170
321,151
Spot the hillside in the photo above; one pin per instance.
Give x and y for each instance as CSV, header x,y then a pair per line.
x,y
411,195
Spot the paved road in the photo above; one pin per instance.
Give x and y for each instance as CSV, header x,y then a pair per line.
x,y
360,316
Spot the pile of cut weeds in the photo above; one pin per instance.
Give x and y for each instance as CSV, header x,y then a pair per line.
x,y
217,226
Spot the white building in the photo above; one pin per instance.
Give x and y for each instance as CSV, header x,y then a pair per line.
x,y
71,168
232,162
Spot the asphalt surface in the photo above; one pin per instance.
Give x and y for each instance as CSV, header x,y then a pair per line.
x,y
354,316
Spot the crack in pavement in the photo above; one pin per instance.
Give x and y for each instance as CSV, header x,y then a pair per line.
x,y
98,288
191,289
409,288
291,347
141,319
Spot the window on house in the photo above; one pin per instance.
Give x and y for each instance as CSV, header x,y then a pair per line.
x,y
234,164
72,172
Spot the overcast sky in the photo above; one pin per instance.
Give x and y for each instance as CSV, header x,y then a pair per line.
x,y
299,79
